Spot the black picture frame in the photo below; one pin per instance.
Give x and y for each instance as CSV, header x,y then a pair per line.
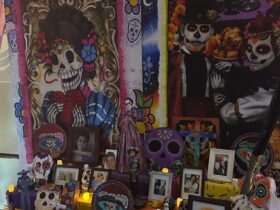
x,y
198,202
90,153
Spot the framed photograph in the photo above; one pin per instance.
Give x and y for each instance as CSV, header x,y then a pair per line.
x,y
64,173
221,163
160,185
110,159
192,182
83,144
200,134
99,176
204,203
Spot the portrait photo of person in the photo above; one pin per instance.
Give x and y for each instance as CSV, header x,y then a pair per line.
x,y
191,183
160,187
83,147
221,164
98,177
110,159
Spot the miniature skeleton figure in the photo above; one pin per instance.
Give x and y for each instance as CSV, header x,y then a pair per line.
x,y
85,178
24,183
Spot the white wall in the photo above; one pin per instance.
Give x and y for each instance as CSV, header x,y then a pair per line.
x,y
8,134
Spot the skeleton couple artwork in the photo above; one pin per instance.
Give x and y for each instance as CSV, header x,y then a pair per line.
x,y
234,67
231,63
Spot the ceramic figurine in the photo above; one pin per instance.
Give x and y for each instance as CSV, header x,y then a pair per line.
x,y
24,183
166,206
85,178
133,152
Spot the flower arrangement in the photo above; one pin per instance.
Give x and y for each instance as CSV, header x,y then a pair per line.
x,y
174,25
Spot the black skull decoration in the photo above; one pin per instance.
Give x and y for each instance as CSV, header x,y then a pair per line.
x,y
164,146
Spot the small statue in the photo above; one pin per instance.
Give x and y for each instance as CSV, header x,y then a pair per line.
x,y
133,167
169,203
24,183
138,201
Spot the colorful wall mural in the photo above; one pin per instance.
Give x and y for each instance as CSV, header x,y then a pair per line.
x,y
94,63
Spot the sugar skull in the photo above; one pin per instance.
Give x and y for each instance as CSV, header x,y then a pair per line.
x,y
67,64
41,166
134,30
85,178
46,199
196,35
164,146
260,52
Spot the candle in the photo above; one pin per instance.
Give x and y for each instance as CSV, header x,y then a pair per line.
x,y
165,170
11,188
59,162
178,202
86,196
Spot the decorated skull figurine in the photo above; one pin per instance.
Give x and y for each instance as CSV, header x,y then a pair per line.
x,y
262,196
47,198
85,178
164,146
67,64
41,166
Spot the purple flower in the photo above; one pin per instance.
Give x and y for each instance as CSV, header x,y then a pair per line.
x,y
132,6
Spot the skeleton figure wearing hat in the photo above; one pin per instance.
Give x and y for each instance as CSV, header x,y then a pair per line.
x,y
68,46
242,94
189,70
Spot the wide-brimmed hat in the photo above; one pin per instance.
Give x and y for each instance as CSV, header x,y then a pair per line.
x,y
200,11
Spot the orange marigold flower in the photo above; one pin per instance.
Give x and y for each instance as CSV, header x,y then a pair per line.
x,y
180,9
170,45
172,28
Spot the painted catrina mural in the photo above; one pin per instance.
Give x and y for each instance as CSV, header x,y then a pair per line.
x,y
72,63
223,54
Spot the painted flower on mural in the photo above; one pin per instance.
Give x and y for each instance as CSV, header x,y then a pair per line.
x,y
89,56
89,51
147,65
19,110
43,49
9,10
132,6
165,134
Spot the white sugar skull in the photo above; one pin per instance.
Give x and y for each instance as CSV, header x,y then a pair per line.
x,y
46,199
111,206
67,64
41,166
134,29
85,179
260,52
196,35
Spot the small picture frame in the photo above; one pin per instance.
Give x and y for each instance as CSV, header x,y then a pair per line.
x,y
98,177
201,203
110,159
64,173
192,182
83,145
160,185
221,163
